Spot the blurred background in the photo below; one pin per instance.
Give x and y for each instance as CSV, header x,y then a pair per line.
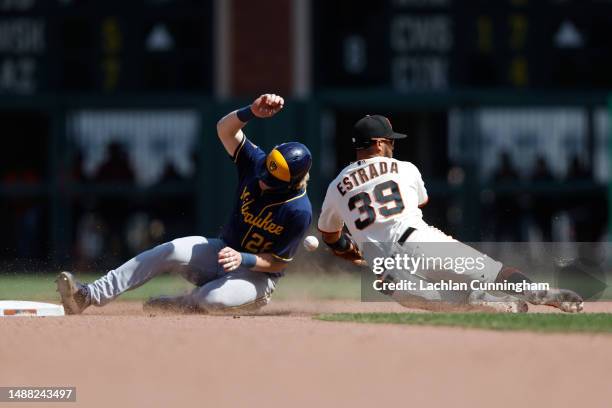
x,y
108,112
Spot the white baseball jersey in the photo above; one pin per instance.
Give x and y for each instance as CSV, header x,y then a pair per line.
x,y
377,199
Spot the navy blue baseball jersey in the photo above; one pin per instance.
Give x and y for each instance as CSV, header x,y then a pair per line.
x,y
264,221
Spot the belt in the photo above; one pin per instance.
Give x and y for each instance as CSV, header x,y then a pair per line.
x,y
406,235
389,278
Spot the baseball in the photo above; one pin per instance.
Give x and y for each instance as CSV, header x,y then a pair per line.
x,y
311,243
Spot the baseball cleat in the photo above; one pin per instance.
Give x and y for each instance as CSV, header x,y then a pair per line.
x,y
74,295
511,306
503,304
175,304
563,299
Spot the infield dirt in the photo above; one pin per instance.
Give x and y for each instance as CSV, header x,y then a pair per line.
x,y
119,356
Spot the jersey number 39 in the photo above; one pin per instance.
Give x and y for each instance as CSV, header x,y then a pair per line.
x,y
384,194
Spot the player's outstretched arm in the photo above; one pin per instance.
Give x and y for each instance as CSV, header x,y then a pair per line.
x,y
230,260
229,127
343,246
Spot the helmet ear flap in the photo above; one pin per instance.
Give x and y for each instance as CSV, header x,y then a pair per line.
x,y
286,165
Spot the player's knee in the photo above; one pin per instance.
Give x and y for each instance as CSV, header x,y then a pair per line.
x,y
216,300
180,250
219,300
157,254
168,254
164,252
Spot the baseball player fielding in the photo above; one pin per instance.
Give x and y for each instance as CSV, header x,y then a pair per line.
x,y
378,199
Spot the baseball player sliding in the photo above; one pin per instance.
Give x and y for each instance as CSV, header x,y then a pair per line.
x,y
378,200
240,268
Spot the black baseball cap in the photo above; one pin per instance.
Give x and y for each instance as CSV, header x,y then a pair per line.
x,y
373,127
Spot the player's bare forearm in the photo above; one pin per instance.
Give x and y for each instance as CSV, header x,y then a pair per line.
x,y
229,130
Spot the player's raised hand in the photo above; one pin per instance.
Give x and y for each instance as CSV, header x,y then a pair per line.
x,y
267,105
229,259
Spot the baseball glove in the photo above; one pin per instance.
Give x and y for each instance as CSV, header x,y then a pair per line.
x,y
352,254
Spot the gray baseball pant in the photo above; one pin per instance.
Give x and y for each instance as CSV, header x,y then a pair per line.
x,y
194,258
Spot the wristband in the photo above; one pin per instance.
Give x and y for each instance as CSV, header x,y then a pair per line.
x,y
248,260
245,114
341,245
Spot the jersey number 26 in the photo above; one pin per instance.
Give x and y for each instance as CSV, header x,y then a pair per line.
x,y
384,194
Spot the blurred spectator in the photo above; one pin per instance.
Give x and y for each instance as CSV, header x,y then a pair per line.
x,y
588,211
142,232
168,217
170,174
542,204
90,237
195,160
115,169
25,213
117,166
506,205
77,174
577,171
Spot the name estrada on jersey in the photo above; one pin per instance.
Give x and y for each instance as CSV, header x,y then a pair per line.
x,y
381,196
364,174
272,221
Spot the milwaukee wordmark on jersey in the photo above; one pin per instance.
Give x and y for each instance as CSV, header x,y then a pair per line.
x,y
270,221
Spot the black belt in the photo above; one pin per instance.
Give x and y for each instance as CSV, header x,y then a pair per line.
x,y
405,235
390,278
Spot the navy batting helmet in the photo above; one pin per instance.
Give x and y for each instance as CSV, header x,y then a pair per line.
x,y
286,165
